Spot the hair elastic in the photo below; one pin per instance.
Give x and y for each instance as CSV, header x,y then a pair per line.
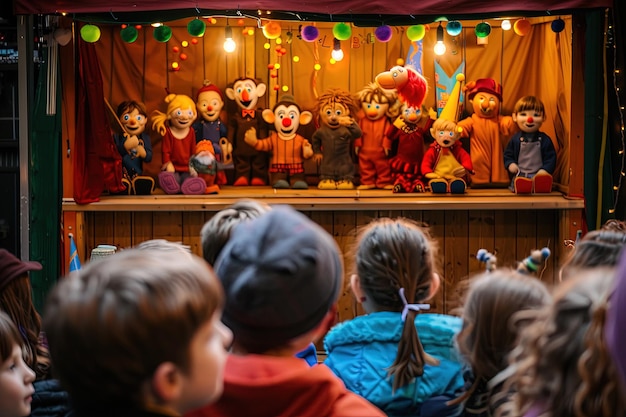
x,y
407,306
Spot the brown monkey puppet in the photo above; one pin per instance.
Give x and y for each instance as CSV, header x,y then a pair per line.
x,y
250,165
288,148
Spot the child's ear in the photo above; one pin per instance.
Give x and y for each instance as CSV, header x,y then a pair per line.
x,y
355,285
166,383
434,285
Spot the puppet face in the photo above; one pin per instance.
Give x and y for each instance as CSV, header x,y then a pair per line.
x,y
411,115
134,123
529,121
374,110
332,113
209,105
485,105
247,93
182,118
287,121
445,134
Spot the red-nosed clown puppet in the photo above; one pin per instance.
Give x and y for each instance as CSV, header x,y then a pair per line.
x,y
333,140
250,165
288,148
378,107
178,145
530,155
488,133
209,126
446,163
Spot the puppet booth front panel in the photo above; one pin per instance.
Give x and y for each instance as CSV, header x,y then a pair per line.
x,y
535,61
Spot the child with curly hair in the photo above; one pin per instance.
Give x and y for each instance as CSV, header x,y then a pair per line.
x,y
399,359
562,363
16,378
488,336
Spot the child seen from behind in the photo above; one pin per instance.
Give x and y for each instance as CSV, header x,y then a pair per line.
x,y
399,359
146,324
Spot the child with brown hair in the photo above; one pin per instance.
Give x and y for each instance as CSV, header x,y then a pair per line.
x,y
146,324
16,378
563,367
399,359
488,334
282,275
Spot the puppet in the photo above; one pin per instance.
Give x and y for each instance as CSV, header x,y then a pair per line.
x,y
489,259
209,126
534,262
488,132
288,148
446,163
334,138
409,130
377,107
250,165
530,155
203,164
410,85
178,145
134,146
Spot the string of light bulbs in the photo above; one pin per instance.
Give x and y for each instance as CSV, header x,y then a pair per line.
x,y
617,72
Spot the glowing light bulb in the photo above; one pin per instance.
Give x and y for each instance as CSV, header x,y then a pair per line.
x,y
317,67
296,58
229,43
332,61
266,45
440,48
285,88
506,24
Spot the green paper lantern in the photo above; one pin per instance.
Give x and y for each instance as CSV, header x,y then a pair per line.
x,y
342,31
129,34
196,28
482,30
416,33
162,33
90,33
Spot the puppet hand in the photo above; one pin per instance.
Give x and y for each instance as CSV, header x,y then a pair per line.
x,y
250,137
543,172
227,151
459,172
432,113
513,168
431,175
140,151
307,149
387,150
168,166
318,158
345,121
357,149
192,171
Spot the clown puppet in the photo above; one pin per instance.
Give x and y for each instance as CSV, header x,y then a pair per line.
x,y
409,130
250,165
333,140
134,146
488,133
178,145
209,126
378,106
446,163
530,155
288,148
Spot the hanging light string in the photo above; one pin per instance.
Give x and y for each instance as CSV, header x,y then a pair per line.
x,y
620,107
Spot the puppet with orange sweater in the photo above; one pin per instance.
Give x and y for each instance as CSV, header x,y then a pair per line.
x,y
178,145
488,133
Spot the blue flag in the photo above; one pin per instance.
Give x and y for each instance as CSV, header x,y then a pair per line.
x,y
444,84
74,259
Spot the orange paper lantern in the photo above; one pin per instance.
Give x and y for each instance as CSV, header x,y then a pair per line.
x,y
521,27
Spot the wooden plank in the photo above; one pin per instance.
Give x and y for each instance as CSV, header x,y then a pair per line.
x,y
456,257
481,233
104,231
192,224
526,234
505,238
315,200
168,225
123,229
142,227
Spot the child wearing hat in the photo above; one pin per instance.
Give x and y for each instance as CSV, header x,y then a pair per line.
x,y
139,334
282,275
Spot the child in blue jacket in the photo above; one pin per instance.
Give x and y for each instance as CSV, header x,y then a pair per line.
x,y
402,361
